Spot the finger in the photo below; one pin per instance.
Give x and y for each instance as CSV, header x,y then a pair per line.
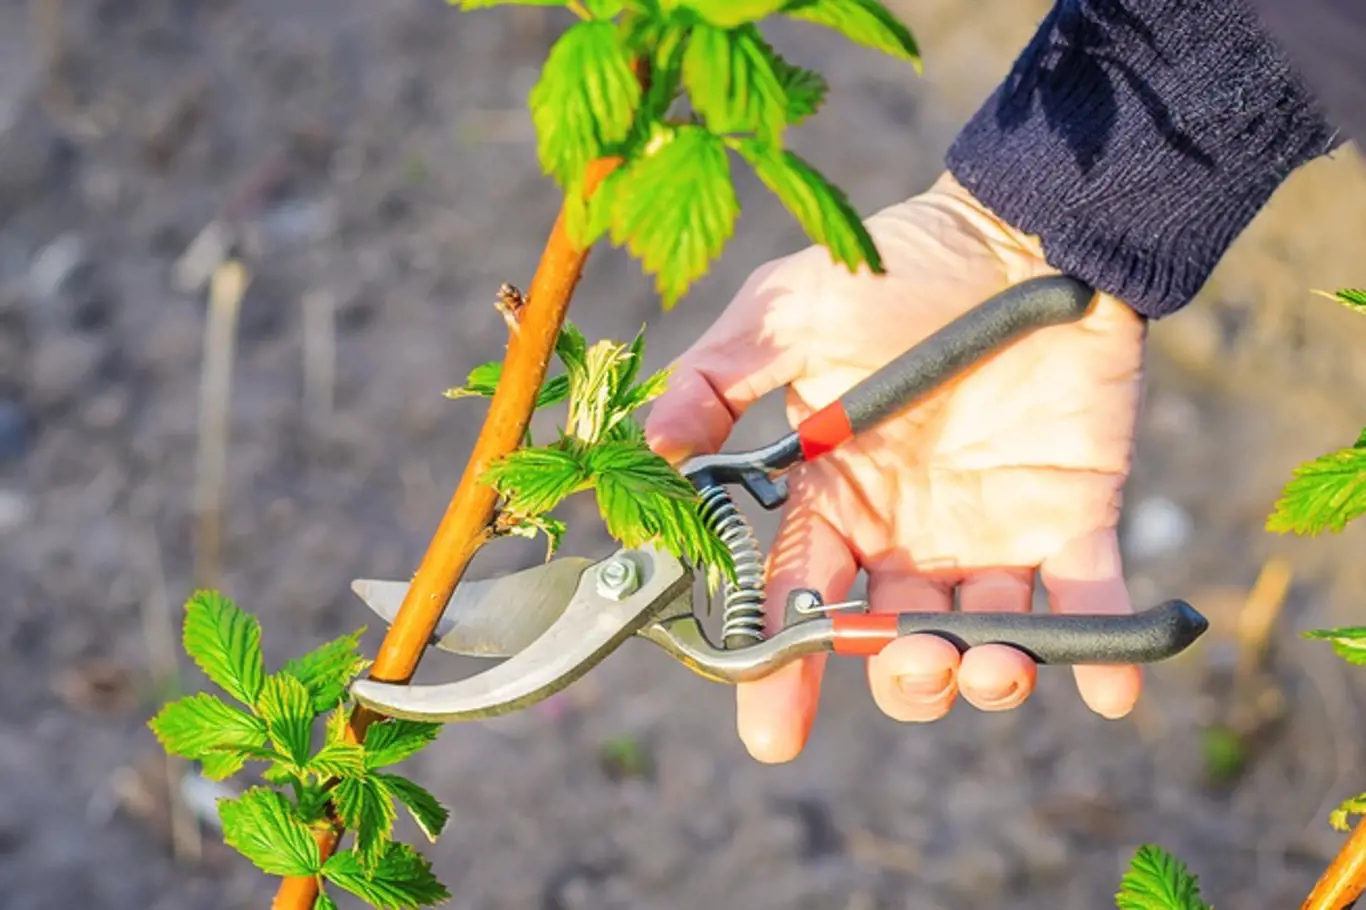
x,y
746,354
913,679
997,677
774,714
1086,576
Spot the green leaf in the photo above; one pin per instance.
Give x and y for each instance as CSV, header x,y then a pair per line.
x,y
225,642
673,206
572,349
804,89
263,827
327,670
1352,298
604,9
402,880
1340,818
822,209
730,13
1325,494
584,101
204,728
483,382
732,82
390,741
1156,880
287,709
639,469
865,22
366,808
338,759
323,902
429,814
1349,642
535,480
636,515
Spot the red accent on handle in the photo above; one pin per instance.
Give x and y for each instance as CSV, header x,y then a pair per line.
x,y
863,634
824,430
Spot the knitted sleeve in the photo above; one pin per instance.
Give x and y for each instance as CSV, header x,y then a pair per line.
x,y
1137,138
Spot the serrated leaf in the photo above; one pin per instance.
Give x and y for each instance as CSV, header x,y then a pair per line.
x,y
323,902
338,759
327,670
402,880
390,741
262,826
636,515
366,808
673,207
1156,880
639,469
1349,642
820,208
584,101
1325,494
313,803
483,381
334,729
1352,298
535,480
429,814
204,728
731,81
730,13
1340,818
865,22
225,642
572,349
594,389
803,89
287,708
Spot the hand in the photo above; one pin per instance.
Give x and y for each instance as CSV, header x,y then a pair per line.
x,y
1014,469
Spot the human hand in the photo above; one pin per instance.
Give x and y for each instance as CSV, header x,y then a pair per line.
x,y
1013,469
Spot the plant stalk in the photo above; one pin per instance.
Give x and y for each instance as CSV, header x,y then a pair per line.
x,y
1345,878
466,525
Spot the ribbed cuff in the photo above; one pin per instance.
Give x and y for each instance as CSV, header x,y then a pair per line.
x,y
1137,140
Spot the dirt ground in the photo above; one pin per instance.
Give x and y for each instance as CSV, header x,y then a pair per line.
x,y
382,157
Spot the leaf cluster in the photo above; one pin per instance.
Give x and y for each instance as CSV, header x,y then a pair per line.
x,y
1157,880
273,722
602,447
716,89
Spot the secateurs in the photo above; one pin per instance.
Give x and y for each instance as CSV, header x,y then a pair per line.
x,y
555,622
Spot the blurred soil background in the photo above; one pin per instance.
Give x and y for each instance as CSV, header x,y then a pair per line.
x,y
381,164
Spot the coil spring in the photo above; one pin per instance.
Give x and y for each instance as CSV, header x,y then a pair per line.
x,y
742,619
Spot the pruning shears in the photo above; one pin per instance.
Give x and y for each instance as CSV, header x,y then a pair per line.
x,y
553,623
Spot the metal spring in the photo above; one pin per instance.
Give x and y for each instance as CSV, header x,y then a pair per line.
x,y
743,616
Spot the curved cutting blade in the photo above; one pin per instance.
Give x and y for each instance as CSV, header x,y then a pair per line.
x,y
589,629
494,617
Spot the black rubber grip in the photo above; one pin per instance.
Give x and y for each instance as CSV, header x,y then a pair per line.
x,y
988,327
1154,634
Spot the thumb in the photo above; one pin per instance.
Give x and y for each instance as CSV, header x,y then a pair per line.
x,y
746,354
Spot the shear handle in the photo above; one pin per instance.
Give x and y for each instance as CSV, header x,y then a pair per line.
x,y
1154,634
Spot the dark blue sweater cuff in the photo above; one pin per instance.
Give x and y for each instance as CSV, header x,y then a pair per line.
x,y
1138,139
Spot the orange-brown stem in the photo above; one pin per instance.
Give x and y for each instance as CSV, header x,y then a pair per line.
x,y
1345,878
465,526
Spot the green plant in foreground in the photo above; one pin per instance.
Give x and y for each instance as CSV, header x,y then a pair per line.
x,y
1157,880
274,825
602,447
716,88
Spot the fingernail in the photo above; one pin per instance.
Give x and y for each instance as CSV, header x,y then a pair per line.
x,y
925,688
992,698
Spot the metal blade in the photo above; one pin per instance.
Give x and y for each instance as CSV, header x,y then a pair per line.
x,y
590,627
493,617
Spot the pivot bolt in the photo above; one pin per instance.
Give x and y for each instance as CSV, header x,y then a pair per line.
x,y
617,578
